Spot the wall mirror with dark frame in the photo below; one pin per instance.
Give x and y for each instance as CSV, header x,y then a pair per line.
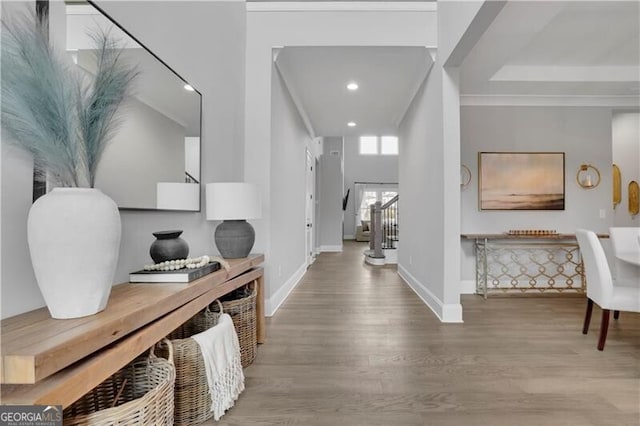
x,y
153,161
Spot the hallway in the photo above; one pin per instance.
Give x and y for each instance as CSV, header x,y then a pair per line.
x,y
353,345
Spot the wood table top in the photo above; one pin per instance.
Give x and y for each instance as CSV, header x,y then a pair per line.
x,y
34,345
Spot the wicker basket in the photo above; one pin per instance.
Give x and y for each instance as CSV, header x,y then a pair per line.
x,y
139,394
200,322
192,401
241,306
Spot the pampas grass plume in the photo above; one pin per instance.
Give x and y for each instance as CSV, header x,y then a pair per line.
x,y
60,115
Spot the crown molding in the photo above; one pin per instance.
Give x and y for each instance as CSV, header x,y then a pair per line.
x,y
429,62
286,79
340,6
632,101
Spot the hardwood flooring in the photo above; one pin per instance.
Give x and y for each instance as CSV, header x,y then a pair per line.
x,y
353,345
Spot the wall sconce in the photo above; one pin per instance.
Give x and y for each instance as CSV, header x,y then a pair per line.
x,y
617,186
634,198
465,176
588,176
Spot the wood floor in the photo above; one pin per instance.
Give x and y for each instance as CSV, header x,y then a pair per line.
x,y
353,345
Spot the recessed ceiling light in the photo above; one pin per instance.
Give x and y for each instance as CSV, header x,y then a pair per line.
x,y
351,124
189,88
352,86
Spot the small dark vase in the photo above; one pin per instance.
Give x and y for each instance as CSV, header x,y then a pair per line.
x,y
168,246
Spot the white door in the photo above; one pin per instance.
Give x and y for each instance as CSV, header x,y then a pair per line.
x,y
309,206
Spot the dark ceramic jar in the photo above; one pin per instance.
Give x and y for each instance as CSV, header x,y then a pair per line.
x,y
168,246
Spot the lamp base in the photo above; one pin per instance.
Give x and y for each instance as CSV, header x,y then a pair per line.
x,y
234,238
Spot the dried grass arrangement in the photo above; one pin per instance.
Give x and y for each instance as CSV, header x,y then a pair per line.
x,y
60,115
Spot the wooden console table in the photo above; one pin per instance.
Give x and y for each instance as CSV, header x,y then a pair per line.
x,y
54,362
523,264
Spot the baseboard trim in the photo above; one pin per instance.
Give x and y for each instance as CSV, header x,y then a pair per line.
x,y
273,303
330,248
349,237
468,287
449,313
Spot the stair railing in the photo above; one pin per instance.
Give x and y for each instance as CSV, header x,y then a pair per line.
x,y
384,226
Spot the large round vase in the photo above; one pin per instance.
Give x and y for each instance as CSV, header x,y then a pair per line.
x,y
74,239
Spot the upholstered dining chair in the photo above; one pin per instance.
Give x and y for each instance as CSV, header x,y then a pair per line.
x,y
611,295
625,240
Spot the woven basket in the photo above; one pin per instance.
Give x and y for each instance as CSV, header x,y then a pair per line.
x,y
200,322
192,401
242,309
139,394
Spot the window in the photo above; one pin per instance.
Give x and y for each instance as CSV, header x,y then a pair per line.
x,y
370,196
368,145
389,145
374,145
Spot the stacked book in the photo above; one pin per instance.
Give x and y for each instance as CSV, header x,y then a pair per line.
x,y
178,276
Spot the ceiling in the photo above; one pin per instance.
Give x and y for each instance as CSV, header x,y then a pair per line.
x,y
532,49
388,78
552,48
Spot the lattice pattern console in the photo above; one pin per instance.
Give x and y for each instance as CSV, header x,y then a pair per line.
x,y
507,264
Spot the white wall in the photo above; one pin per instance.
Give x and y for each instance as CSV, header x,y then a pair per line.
x,y
429,256
421,257
583,134
330,220
331,183
364,168
19,292
18,289
191,37
268,29
626,154
287,257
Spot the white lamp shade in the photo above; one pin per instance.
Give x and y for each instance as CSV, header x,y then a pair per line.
x,y
178,196
233,201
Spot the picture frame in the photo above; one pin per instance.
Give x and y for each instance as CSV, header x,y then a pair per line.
x,y
521,180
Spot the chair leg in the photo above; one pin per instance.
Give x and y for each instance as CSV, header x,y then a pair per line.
x,y
587,316
616,315
604,326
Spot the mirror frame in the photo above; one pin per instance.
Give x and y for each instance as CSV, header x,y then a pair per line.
x,y
40,185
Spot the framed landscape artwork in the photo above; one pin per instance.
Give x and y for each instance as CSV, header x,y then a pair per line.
x,y
521,180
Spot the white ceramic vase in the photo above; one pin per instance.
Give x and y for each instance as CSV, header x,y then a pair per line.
x,y
74,239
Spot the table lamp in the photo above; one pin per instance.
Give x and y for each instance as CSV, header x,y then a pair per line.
x,y
233,203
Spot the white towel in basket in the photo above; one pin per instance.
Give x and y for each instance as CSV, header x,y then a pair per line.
x,y
221,353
